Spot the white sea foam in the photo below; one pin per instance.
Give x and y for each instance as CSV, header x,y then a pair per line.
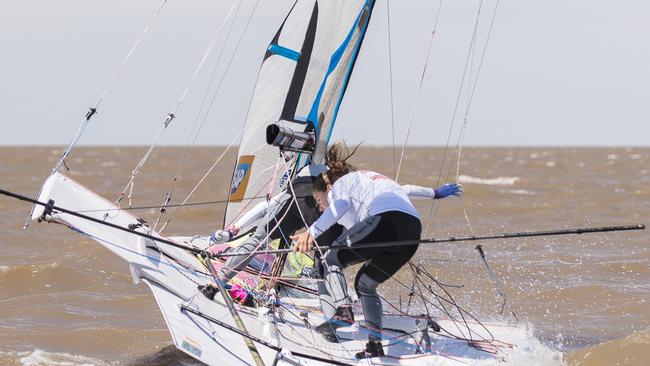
x,y
550,164
4,269
36,268
612,157
41,358
499,181
524,192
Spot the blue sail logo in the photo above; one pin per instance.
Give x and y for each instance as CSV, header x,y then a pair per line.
x,y
240,173
240,178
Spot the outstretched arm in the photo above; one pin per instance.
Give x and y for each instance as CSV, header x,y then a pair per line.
x,y
254,214
419,192
251,216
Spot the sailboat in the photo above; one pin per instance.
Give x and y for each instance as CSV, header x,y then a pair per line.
x,y
302,81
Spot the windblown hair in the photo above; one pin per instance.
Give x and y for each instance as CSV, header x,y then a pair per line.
x,y
337,164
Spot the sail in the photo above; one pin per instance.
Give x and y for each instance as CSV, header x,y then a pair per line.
x,y
302,80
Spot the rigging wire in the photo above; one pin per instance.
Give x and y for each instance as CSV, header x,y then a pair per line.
x,y
497,283
390,75
419,91
419,283
183,204
256,339
412,119
472,82
93,110
419,269
214,95
470,95
50,207
172,115
138,208
444,165
278,222
194,132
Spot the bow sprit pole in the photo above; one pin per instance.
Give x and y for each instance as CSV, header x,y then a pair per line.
x,y
522,234
219,281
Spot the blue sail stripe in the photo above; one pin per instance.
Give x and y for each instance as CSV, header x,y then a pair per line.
x,y
276,49
348,73
334,61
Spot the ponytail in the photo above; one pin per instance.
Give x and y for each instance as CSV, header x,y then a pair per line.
x,y
337,165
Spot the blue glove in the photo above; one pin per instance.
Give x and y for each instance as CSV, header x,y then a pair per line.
x,y
449,189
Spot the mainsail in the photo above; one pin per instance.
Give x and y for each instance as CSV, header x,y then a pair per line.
x,y
301,83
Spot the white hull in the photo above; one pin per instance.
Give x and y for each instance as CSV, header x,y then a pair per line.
x,y
173,274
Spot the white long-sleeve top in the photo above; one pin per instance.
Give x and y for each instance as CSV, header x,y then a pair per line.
x,y
358,195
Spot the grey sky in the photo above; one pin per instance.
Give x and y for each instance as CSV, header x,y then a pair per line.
x,y
556,72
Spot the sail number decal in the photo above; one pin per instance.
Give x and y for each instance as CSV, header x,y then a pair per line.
x,y
192,346
240,178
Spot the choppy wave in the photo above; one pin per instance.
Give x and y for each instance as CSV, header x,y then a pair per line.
x,y
27,269
631,350
43,358
167,356
499,181
552,281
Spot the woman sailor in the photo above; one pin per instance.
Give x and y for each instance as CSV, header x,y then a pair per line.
x,y
373,208
282,215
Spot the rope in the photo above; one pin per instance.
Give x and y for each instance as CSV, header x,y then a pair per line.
x,y
172,115
473,82
216,92
419,92
194,132
183,204
93,110
259,340
390,75
51,206
460,310
467,69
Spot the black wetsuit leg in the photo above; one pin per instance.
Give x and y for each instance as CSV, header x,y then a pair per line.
x,y
379,264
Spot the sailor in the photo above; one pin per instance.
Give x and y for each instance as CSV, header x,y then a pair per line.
x,y
373,208
281,215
